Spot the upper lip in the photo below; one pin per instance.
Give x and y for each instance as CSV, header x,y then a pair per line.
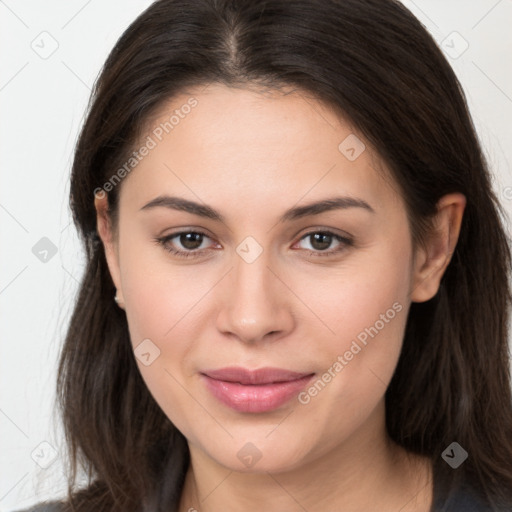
x,y
259,376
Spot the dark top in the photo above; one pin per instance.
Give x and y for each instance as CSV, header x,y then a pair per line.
x,y
461,500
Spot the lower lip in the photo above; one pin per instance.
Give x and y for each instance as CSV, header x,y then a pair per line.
x,y
255,398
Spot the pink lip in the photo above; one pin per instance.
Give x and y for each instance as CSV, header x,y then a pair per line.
x,y
254,391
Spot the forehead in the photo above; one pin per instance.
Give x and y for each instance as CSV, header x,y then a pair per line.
x,y
257,146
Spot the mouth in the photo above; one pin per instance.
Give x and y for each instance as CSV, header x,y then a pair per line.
x,y
255,391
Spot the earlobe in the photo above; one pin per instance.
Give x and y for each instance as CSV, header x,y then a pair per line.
x,y
432,259
106,234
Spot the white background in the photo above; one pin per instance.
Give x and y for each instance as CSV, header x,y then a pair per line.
x,y
42,103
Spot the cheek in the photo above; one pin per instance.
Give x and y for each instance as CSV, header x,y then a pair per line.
x,y
165,303
370,289
162,305
365,306
160,295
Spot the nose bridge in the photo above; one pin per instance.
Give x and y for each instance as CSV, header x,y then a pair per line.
x,y
251,280
255,302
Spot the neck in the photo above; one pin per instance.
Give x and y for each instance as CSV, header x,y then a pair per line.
x,y
357,474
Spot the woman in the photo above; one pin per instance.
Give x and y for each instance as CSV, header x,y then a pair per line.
x,y
296,294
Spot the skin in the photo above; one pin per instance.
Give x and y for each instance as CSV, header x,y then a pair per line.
x,y
251,156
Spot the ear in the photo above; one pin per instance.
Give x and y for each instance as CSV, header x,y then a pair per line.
x,y
432,258
110,244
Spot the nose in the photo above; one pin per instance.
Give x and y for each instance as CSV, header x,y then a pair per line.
x,y
256,304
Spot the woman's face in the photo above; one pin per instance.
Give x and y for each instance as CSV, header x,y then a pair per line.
x,y
299,259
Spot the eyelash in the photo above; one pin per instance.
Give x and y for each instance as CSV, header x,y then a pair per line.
x,y
164,241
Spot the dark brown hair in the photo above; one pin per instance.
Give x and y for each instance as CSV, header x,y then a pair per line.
x,y
376,63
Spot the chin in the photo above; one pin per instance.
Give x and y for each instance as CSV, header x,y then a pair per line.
x,y
258,455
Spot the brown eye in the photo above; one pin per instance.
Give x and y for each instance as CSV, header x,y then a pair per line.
x,y
185,244
321,243
191,240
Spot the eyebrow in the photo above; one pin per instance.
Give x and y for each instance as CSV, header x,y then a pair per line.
x,y
202,210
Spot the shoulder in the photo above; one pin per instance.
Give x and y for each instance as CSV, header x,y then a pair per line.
x,y
48,506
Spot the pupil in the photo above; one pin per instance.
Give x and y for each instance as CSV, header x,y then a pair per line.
x,y
321,241
191,240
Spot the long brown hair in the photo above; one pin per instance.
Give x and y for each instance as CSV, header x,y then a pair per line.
x,y
375,62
